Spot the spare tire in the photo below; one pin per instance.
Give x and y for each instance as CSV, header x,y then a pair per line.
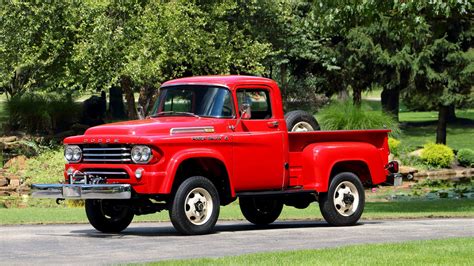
x,y
300,121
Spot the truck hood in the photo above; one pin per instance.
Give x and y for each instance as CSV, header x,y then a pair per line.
x,y
156,126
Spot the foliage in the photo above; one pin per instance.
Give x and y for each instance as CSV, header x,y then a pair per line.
x,y
41,112
36,45
437,155
439,188
46,168
466,157
344,115
393,144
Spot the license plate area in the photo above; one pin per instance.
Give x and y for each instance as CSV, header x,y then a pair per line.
x,y
72,191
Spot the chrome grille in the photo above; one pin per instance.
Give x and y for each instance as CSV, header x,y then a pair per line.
x,y
106,173
106,154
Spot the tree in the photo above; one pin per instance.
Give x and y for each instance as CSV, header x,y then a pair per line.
x,y
443,72
35,46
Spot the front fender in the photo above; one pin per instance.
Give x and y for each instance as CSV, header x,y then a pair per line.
x,y
320,158
183,155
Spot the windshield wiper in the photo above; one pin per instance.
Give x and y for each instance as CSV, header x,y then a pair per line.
x,y
173,113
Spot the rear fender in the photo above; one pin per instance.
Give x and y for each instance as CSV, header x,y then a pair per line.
x,y
319,160
183,155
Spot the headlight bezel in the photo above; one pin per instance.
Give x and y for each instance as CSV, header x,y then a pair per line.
x,y
141,154
72,153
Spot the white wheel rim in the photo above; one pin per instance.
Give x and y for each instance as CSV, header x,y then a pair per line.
x,y
302,127
346,198
198,206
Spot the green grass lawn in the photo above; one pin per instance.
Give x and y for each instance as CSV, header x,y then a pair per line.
x,y
373,210
451,251
459,134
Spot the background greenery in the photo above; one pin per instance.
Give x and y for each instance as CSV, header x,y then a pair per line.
x,y
420,51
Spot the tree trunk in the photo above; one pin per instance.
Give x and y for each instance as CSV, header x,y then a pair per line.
x,y
116,107
391,101
442,121
452,113
147,98
357,96
126,85
343,95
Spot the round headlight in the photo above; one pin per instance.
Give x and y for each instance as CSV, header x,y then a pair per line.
x,y
68,153
73,153
141,154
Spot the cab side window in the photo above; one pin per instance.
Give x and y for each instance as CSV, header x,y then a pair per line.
x,y
259,100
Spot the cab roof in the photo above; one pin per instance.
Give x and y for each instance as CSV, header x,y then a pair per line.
x,y
229,81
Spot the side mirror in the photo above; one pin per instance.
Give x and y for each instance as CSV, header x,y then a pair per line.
x,y
245,111
140,112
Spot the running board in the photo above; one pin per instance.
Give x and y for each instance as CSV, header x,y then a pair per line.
x,y
275,193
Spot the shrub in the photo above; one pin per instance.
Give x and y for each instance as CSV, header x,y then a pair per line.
x,y
466,157
41,112
437,155
344,115
393,145
48,167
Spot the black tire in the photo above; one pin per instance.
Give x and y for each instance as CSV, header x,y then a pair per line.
x,y
294,117
329,209
109,216
196,186
260,211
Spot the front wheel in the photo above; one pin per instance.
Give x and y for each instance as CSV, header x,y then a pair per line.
x,y
343,204
195,207
109,216
260,211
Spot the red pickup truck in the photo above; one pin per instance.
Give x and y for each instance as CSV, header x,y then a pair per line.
x,y
210,140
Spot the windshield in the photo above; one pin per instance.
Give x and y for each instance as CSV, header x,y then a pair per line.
x,y
199,100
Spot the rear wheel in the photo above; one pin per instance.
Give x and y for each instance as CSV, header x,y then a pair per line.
x,y
344,202
108,216
260,211
300,121
195,206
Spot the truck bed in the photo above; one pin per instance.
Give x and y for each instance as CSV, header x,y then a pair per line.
x,y
309,174
299,140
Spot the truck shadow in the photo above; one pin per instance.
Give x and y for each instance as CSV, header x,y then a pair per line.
x,y
221,227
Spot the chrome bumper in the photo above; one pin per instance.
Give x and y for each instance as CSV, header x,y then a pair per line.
x,y
83,191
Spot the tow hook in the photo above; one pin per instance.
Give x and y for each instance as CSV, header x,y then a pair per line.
x,y
58,201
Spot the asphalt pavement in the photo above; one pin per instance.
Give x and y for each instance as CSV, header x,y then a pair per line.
x,y
143,242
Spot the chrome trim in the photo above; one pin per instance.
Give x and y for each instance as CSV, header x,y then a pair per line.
x,y
106,160
104,173
98,191
107,149
178,130
105,154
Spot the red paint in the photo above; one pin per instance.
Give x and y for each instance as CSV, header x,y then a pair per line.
x,y
253,155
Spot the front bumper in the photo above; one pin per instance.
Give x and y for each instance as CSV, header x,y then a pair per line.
x,y
82,191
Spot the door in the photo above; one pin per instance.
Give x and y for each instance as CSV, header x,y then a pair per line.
x,y
258,143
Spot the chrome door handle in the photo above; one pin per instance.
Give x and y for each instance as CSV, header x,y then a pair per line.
x,y
273,124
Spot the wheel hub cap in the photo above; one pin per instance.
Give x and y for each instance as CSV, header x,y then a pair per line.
x,y
346,198
198,206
